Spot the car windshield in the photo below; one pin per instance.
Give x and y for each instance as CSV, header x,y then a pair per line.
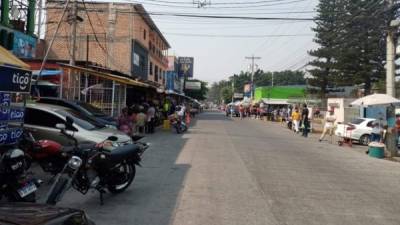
x,y
357,121
91,109
85,122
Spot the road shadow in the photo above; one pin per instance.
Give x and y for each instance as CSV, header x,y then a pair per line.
x,y
153,195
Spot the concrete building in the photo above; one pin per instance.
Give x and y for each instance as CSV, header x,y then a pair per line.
x,y
118,36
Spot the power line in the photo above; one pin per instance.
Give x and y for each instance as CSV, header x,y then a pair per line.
x,y
239,36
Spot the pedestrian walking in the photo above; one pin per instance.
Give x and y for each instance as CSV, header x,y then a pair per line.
x,y
296,119
305,120
241,111
330,119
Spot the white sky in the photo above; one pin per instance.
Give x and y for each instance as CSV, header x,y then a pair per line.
x,y
217,58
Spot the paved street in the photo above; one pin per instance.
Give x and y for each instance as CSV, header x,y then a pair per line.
x,y
231,172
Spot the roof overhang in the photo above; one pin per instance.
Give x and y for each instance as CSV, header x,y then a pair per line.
x,y
104,75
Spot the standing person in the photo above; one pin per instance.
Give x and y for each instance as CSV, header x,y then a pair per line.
x,y
376,134
306,122
330,119
296,119
124,122
151,112
241,111
141,120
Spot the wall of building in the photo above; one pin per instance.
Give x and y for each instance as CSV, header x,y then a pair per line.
x,y
115,25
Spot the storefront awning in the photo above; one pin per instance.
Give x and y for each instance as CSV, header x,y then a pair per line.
x,y
275,101
109,76
8,59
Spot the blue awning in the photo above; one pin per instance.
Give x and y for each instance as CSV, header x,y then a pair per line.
x,y
47,72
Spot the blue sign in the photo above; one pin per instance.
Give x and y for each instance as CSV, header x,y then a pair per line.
x,y
185,66
10,136
17,114
15,79
24,45
5,99
13,114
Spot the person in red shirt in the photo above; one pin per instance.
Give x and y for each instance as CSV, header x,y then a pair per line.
x,y
241,111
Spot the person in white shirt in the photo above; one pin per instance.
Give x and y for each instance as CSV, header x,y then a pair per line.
x,y
330,119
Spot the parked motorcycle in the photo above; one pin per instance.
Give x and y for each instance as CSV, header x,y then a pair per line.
x,y
15,182
50,155
106,165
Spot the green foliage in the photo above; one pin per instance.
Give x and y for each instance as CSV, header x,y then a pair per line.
x,y
351,38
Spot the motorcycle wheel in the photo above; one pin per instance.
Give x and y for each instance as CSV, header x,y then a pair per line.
x,y
129,171
56,191
178,129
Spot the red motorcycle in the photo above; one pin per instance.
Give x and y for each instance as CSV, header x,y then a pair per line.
x,y
50,155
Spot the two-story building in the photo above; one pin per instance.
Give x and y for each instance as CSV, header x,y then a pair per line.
x,y
117,37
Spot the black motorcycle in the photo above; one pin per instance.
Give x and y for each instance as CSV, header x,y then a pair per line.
x,y
15,182
102,166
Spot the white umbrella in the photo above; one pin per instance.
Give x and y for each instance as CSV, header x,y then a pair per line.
x,y
376,99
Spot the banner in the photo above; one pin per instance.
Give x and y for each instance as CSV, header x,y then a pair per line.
x,y
185,66
15,79
192,85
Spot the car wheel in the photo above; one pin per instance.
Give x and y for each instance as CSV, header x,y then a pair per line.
x,y
364,140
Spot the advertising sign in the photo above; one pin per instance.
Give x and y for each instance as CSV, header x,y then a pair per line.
x,y
5,99
193,85
185,66
238,95
15,79
10,136
24,45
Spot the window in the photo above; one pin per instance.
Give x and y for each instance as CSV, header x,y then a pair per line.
x,y
41,118
357,121
156,73
160,74
144,34
151,68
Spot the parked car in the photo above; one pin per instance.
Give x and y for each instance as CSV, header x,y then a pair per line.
x,y
41,120
84,108
358,129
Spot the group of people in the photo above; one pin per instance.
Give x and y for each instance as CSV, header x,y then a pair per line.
x,y
137,119
142,118
300,119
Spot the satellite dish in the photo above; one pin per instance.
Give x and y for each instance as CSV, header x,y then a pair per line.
x,y
15,12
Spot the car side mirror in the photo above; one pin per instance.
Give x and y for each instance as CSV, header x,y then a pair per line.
x,y
112,138
61,126
69,121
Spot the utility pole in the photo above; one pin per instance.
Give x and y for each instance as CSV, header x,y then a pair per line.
x,y
252,58
40,3
233,93
391,143
73,31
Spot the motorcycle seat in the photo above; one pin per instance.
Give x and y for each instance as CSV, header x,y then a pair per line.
x,y
123,152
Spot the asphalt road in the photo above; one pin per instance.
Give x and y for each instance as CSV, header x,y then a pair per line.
x,y
238,172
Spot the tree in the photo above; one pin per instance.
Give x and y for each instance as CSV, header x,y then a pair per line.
x,y
327,27
226,94
198,94
351,35
362,49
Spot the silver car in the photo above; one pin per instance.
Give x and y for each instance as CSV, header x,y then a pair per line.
x,y
41,120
